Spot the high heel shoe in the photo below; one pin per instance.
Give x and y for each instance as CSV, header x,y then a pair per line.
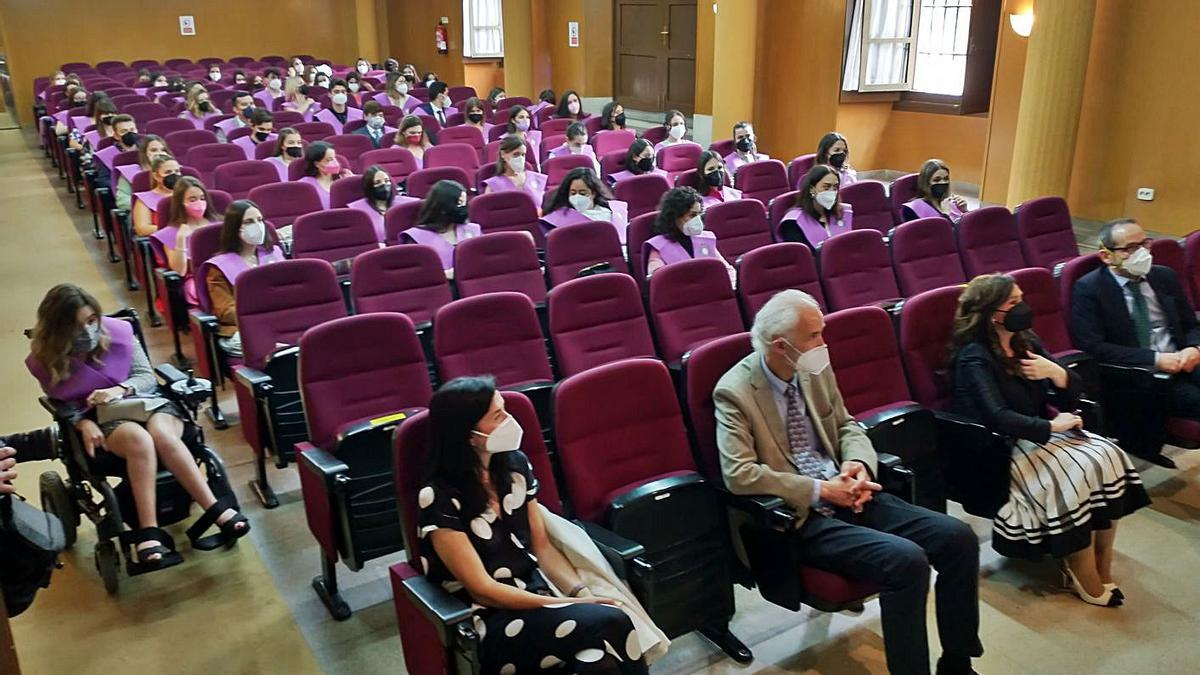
x,y
1108,598
1116,591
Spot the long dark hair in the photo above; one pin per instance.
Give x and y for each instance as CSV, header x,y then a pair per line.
x,y
178,212
606,115
441,200
454,410
508,144
313,154
979,301
674,204
559,198
700,183
368,184
635,149
805,200
826,143
231,228
563,112
930,167
512,118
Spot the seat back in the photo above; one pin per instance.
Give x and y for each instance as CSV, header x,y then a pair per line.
x,y
856,270
765,271
798,167
314,131
612,140
203,243
206,158
1040,292
496,334
763,180
508,211
1073,271
399,218
642,193
926,326
779,206
903,189
419,182
1169,251
460,155
333,235
866,359
925,256
145,111
287,118
655,135
350,147
612,162
988,241
641,229
276,303
869,201
555,126
398,162
675,159
596,320
740,226
692,302
405,279
238,178
283,203
702,369
343,191
501,261
1044,226
571,248
166,125
469,135
556,168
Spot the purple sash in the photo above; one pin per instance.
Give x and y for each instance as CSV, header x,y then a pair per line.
x,y
247,144
231,265
197,122
328,117
88,376
92,137
847,176
812,228
80,122
280,167
166,237
565,151
377,219
728,194
321,191
410,102
266,98
129,171
663,144
106,156
733,160
151,200
569,216
924,209
437,242
704,245
626,175
225,127
535,184
308,114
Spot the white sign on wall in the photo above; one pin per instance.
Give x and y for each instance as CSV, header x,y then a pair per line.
x,y
572,33
187,25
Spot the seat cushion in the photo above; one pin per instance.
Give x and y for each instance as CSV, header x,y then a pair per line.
x,y
833,588
1184,432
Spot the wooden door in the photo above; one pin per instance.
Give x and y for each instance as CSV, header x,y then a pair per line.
x,y
655,54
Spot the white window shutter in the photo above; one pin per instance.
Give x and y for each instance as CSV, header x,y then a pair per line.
x,y
889,45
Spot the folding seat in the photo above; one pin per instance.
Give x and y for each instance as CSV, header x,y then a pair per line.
x,y
315,131
765,271
691,302
211,122
655,135
398,162
283,203
146,111
902,189
642,193
924,255
596,320
509,211
723,147
740,226
222,99
612,140
460,155
344,191
207,157
549,143
509,101
1040,291
627,465
675,159
398,219
612,162
235,134
856,270
987,241
557,168
287,118
209,61
120,91
1169,251
555,126
1191,277
641,229
492,150
419,182
360,377
333,235
123,102
872,210
501,261
463,134
166,125
238,178
1044,226
779,206
763,180
350,147
405,279
690,178
593,246
276,304
241,61
798,167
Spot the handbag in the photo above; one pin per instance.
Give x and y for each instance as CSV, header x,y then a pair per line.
x,y
131,409
30,541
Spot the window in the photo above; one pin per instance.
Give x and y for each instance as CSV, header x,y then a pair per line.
x,y
943,30
483,29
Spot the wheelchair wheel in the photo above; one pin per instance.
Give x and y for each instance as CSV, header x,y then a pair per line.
x,y
56,500
108,564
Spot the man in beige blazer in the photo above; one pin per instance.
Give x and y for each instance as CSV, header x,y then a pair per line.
x,y
783,430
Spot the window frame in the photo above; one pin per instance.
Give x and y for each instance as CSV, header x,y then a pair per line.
x,y
865,43
470,27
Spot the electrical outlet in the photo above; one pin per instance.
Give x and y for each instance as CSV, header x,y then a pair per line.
x,y
1145,194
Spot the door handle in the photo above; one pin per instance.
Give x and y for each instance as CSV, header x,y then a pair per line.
x,y
664,33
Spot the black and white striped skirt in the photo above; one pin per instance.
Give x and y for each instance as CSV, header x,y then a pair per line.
x,y
1062,491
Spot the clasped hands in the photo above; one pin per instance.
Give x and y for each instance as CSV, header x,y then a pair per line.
x,y
851,488
1184,360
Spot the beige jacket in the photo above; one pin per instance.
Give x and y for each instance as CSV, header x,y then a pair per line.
x,y
756,458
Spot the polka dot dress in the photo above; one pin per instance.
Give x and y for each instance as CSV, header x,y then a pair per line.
x,y
563,637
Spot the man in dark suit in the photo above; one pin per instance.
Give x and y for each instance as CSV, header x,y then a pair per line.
x,y
439,103
1131,312
374,128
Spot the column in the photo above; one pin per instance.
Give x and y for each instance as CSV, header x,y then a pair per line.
x,y
367,29
518,48
735,34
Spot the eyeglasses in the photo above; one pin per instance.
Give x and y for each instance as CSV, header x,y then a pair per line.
x,y
1130,248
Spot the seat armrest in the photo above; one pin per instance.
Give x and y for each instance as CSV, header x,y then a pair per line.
x,y
896,478
201,320
256,381
1133,377
621,553
59,410
765,510
440,608
891,416
320,460
655,487
169,374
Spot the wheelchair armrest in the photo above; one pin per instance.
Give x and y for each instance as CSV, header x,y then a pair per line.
x,y
442,610
620,552
896,478
256,381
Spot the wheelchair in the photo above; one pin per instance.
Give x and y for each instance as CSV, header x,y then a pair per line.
x,y
88,491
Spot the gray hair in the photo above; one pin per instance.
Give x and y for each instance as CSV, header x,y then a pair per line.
x,y
779,316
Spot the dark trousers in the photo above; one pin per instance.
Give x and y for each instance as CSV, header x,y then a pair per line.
x,y
1183,399
893,543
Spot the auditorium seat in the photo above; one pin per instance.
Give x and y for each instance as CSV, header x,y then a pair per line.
x,y
925,256
988,241
765,271
596,320
691,302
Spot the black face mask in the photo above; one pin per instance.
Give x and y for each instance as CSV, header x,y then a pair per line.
x,y
261,136
205,107
170,180
837,159
1019,318
714,179
645,164
458,215
744,144
939,190
619,120
129,139
474,118
294,151
107,120
248,112
382,192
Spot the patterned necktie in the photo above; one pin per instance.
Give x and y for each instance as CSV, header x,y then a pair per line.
x,y
808,461
1141,314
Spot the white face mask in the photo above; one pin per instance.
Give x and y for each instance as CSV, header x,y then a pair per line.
x,y
516,163
363,68
60,81
580,202
338,99
677,131
253,234
402,88
1138,263
827,199
215,77
504,438
353,86
577,148
693,227
813,361
573,107
274,85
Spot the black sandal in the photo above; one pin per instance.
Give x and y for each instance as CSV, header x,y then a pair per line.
x,y
229,533
141,560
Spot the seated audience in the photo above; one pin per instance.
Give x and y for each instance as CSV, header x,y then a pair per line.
x,y
243,110
679,234
439,103
379,195
546,99
612,116
296,99
570,106
262,123
676,127
289,147
474,116
712,180
511,173
125,138
164,174
412,137
833,150
442,223
321,168
272,88
374,129
197,108
149,146
745,148
395,92
583,198
191,208
576,144
339,111
359,90
520,124
817,214
496,95
639,159
933,195
244,244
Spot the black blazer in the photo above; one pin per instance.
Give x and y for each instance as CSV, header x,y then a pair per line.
x,y
987,392
1102,327
362,131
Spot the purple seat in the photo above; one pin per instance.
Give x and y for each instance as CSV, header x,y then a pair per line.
x,y
419,182
398,219
1040,291
924,256
612,162
235,134
596,320
740,226
222,99
494,334
239,178
903,189
779,206
574,247
180,142
315,131
642,193
866,358
471,136
987,241
460,155
211,122
501,261
926,325
206,158
723,147
283,203
167,125
344,191
555,126
798,167
655,135
612,140
692,302
509,211
1044,226
763,180
641,229
872,210
675,159
1191,256
144,112
1169,252
765,271
287,118
856,270
557,168
333,235
398,162
405,279
350,147
1073,271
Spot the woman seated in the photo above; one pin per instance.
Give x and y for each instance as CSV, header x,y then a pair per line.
x,y
577,144
395,92
321,168
289,147
583,198
164,174
244,245
360,90
676,126
817,214
933,195
520,124
1068,487
149,147
442,223
412,137
639,160
484,539
474,116
570,107
511,173
296,99
546,99
379,195
198,109
835,151
679,234
190,209
496,95
612,116
712,180
96,366
262,123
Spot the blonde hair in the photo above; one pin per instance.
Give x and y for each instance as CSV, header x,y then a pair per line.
x,y
56,328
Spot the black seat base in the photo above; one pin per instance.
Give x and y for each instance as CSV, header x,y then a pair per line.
x,y
729,643
326,586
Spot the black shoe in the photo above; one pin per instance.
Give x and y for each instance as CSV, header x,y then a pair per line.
x,y
1160,460
953,665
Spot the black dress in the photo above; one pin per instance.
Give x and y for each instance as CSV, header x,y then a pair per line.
x,y
566,637
1063,485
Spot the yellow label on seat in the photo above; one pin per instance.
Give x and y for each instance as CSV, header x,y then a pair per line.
x,y
394,417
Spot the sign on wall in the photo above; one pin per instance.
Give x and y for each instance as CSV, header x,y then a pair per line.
x,y
187,25
572,33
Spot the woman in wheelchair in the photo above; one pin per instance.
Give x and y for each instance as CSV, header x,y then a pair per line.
x,y
243,245
482,537
96,366
1067,487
